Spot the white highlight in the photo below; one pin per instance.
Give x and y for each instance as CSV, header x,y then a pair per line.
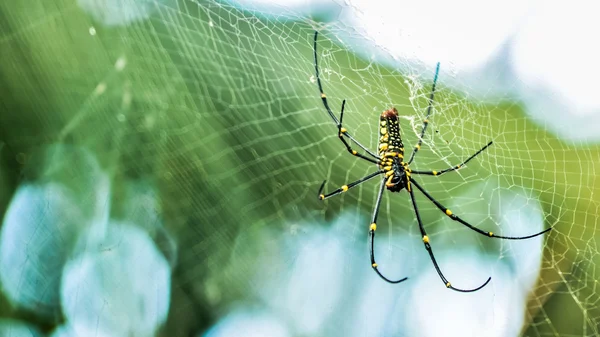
x,y
249,323
118,12
119,287
540,53
44,220
463,33
557,59
121,63
100,89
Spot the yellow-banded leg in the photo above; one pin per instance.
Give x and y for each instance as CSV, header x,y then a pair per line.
x,y
453,168
372,230
342,132
482,232
344,188
430,251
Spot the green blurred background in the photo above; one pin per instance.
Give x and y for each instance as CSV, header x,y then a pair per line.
x,y
220,110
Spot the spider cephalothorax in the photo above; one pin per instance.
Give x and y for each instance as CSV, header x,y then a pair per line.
x,y
396,174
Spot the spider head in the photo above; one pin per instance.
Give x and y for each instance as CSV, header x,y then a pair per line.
x,y
391,113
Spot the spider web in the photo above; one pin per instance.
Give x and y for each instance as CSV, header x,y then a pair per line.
x,y
221,109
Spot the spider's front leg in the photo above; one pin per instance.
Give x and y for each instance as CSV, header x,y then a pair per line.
x,y
343,132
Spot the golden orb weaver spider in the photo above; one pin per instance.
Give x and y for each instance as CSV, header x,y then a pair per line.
x,y
397,175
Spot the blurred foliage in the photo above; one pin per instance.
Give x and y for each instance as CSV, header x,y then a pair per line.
x,y
218,108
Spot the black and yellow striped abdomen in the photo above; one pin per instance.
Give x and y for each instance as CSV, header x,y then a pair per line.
x,y
391,152
390,143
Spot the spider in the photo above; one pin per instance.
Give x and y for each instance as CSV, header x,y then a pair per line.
x,y
396,174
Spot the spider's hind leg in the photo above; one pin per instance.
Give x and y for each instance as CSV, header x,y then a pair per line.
x,y
372,230
468,225
453,168
430,251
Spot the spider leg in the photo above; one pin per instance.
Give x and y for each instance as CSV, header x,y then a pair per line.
x,y
372,229
453,168
456,218
346,187
426,120
428,247
342,132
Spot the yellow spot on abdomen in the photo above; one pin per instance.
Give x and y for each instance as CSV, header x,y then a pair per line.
x,y
383,146
383,131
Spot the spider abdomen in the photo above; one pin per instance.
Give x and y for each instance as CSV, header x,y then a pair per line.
x,y
391,151
390,142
